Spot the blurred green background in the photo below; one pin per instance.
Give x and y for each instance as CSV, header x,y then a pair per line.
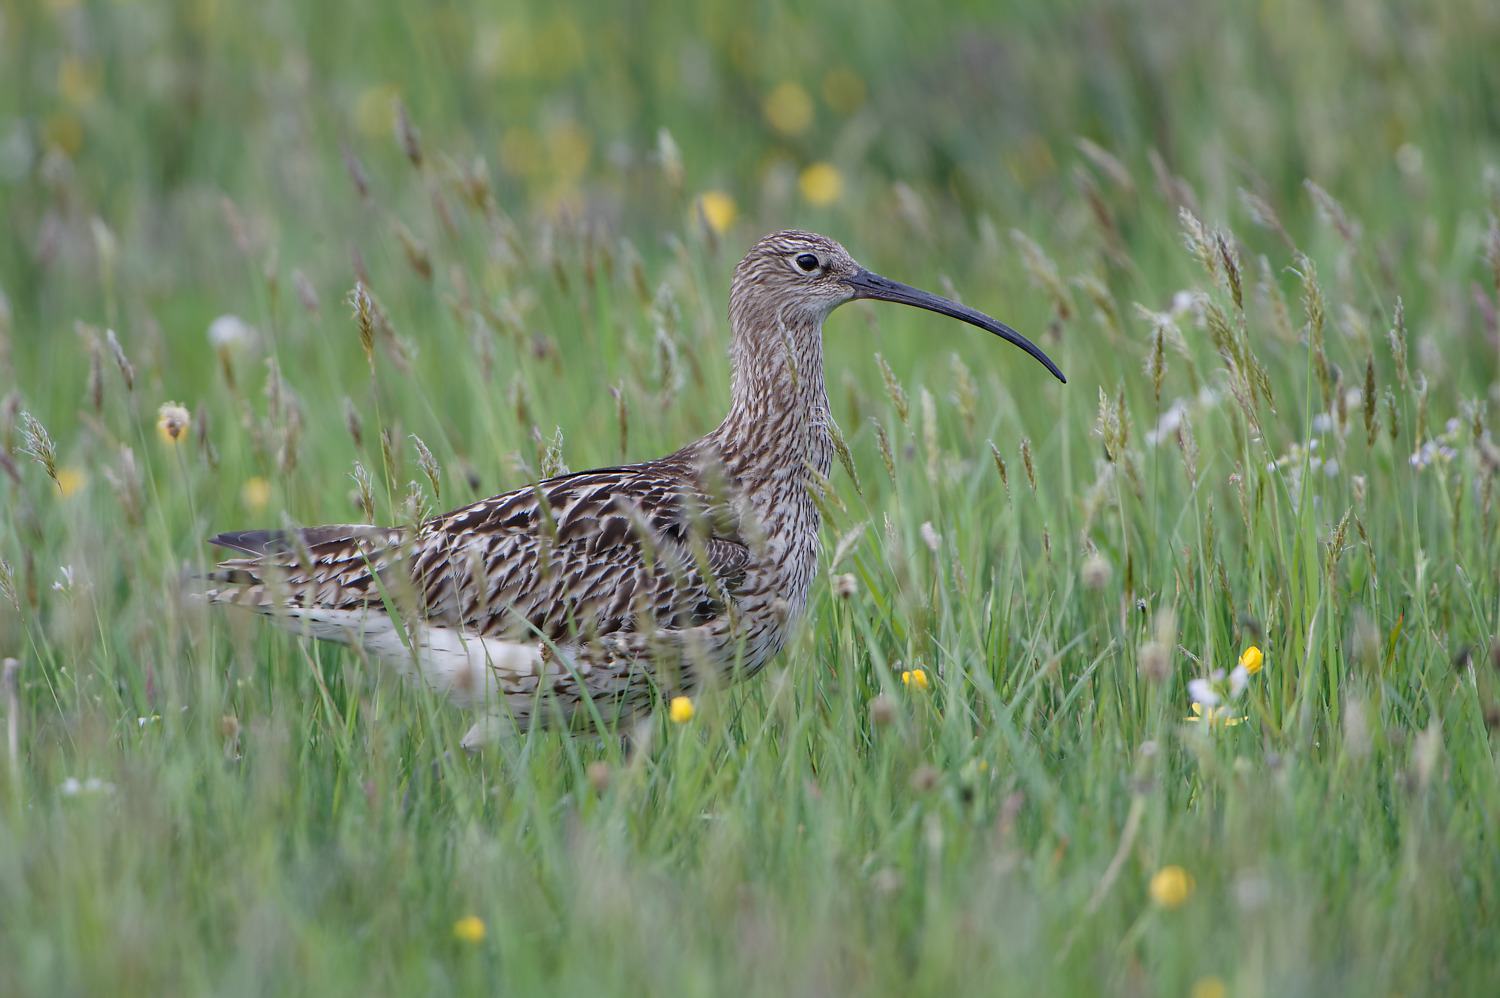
x,y
188,192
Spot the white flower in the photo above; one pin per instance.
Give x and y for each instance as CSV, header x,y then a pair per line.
x,y
231,331
71,787
1238,679
1202,691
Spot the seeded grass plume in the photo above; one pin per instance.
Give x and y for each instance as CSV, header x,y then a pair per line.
x,y
1267,267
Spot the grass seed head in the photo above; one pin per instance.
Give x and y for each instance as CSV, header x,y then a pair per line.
x,y
669,157
1392,415
964,395
1108,164
1044,274
925,777
1333,214
1027,463
364,491
552,459
1154,662
894,391
96,378
415,250
1397,339
1229,257
353,422
127,369
307,294
362,307
599,776
430,468
407,135
1156,362
125,481
1262,214
887,457
37,444
8,584
356,171
1419,389
172,421
930,434
1000,467
1199,242
1095,572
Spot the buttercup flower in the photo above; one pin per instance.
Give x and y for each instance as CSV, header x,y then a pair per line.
x,y
469,929
718,210
915,677
1171,886
681,710
1209,987
255,494
821,183
1215,715
1252,660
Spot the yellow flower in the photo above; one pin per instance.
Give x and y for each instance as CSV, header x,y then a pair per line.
x,y
1171,886
520,152
1252,660
469,929
172,421
788,109
681,710
255,494
915,677
77,81
1209,987
568,150
374,115
63,132
1214,715
821,183
70,480
718,210
843,90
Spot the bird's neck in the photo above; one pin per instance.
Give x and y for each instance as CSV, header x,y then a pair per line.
x,y
778,417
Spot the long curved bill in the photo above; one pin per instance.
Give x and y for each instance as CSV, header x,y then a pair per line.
x,y
868,285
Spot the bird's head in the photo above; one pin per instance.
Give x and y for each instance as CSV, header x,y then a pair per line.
x,y
801,277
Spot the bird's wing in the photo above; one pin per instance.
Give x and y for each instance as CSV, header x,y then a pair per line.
x,y
594,553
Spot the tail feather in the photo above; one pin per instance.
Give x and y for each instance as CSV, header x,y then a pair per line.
x,y
334,565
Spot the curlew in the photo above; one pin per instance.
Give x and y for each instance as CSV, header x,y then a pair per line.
x,y
589,596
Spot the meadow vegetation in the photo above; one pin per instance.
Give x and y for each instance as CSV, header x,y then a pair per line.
x,y
1182,678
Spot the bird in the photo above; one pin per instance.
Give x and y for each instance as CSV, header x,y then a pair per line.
x,y
588,598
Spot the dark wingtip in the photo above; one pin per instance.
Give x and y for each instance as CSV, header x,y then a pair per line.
x,y
256,542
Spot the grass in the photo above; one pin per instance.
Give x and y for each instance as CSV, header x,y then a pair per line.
x,y
1288,443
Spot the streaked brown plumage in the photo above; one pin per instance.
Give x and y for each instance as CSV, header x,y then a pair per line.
x,y
616,585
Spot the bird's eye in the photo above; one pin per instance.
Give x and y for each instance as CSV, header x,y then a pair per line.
x,y
807,262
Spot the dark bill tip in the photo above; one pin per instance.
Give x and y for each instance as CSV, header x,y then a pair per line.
x,y
873,286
